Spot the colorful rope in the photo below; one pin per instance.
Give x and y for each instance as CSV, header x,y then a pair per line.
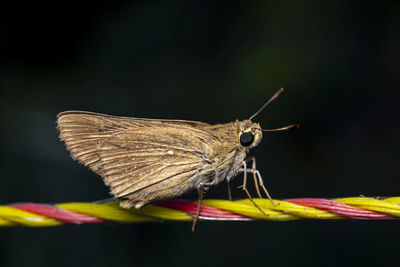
x,y
361,208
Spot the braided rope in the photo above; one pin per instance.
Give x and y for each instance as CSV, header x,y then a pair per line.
x,y
40,215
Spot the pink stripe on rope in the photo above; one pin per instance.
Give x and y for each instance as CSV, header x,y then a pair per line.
x,y
205,211
57,213
340,208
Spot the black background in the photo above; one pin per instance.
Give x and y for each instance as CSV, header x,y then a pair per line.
x,y
216,62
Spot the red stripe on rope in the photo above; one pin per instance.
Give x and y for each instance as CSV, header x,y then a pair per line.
x,y
205,211
57,213
340,208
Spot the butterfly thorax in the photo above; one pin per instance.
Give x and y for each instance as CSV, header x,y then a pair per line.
x,y
228,152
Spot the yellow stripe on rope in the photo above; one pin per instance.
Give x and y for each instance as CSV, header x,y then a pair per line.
x,y
10,216
114,212
284,211
388,206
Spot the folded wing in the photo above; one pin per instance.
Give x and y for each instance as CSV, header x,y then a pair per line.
x,y
141,160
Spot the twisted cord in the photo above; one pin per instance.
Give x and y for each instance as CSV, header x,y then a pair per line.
x,y
360,208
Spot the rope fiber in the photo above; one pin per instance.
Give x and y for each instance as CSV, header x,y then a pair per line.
x,y
358,208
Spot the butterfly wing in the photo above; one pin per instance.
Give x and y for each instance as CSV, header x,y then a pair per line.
x,y
141,160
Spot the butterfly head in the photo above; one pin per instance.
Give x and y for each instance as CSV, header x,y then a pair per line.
x,y
250,134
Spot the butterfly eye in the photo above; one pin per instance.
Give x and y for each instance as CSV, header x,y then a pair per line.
x,y
246,138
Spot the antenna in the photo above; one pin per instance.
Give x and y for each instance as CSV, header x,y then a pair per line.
x,y
267,103
282,128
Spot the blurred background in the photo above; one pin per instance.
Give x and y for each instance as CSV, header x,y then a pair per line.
x,y
212,61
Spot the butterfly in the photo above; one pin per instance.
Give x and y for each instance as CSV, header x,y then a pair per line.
x,y
147,160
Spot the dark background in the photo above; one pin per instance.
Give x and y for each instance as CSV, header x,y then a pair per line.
x,y
215,62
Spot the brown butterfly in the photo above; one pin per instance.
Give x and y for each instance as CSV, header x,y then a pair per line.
x,y
146,160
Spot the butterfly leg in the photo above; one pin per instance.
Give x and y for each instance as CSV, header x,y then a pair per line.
x,y
229,190
265,189
260,180
253,159
200,190
244,187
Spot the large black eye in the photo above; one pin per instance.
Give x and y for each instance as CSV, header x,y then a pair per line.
x,y
246,138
